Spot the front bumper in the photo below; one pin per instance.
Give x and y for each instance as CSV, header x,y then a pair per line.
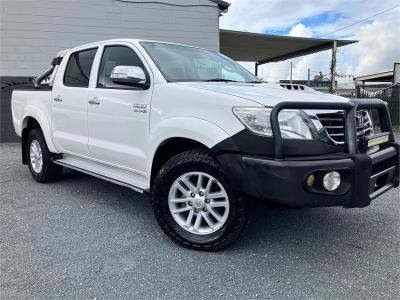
x,y
282,178
364,177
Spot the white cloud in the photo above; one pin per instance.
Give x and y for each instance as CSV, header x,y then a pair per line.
x,y
379,38
259,15
273,72
379,46
301,31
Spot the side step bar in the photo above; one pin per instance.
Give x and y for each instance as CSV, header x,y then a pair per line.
x,y
69,166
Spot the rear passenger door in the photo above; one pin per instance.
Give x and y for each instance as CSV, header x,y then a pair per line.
x,y
70,97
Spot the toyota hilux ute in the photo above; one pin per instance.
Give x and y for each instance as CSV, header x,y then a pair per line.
x,y
202,135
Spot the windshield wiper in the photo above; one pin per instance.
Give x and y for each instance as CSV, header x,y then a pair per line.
x,y
230,80
221,80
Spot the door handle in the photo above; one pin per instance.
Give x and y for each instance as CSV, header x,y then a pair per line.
x,y
58,99
95,100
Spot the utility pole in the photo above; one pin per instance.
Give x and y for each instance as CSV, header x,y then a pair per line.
x,y
291,72
396,73
308,78
332,87
396,89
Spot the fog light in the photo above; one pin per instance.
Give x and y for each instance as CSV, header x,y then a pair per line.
x,y
310,180
331,181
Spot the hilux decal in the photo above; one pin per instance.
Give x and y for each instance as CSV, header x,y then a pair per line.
x,y
140,108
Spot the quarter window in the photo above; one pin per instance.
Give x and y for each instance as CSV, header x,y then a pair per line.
x,y
117,56
77,72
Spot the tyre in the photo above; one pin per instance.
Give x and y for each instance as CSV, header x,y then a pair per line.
x,y
194,203
39,158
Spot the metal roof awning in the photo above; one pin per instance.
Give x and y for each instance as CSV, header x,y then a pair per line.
x,y
265,48
378,77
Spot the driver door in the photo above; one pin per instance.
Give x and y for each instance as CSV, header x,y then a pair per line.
x,y
118,115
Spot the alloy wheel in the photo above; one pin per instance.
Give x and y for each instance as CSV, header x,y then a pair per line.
x,y
198,203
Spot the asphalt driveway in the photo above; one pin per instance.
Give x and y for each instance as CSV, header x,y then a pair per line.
x,y
85,238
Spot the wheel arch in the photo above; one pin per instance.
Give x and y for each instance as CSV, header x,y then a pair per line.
x,y
168,149
177,134
30,122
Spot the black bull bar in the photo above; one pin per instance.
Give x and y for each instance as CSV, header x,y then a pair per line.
x,y
349,109
368,181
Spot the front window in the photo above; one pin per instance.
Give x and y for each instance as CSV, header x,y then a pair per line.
x,y
116,56
183,63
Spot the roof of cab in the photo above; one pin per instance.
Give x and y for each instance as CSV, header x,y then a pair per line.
x,y
124,40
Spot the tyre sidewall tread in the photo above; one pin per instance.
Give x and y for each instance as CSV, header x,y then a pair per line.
x,y
193,161
50,171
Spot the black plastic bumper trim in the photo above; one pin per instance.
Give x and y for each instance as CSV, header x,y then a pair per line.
x,y
283,181
389,173
380,156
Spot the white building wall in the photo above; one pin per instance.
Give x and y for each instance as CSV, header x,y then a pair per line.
x,y
33,31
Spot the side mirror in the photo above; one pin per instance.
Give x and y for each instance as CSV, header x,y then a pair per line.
x,y
128,75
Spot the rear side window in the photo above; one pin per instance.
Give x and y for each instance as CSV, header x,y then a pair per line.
x,y
77,72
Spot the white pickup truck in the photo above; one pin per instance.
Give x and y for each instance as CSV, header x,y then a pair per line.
x,y
202,134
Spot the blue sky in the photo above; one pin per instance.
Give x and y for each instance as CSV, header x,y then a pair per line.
x,y
313,21
379,37
325,17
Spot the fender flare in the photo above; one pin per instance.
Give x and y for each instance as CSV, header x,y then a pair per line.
x,y
35,113
199,130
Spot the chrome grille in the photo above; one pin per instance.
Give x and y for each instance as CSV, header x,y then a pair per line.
x,y
334,124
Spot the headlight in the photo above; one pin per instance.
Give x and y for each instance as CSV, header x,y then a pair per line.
x,y
294,124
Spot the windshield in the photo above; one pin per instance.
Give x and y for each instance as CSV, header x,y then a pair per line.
x,y
183,63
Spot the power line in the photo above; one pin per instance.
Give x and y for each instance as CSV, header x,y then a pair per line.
x,y
360,21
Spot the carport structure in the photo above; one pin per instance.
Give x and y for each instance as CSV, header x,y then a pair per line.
x,y
266,48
